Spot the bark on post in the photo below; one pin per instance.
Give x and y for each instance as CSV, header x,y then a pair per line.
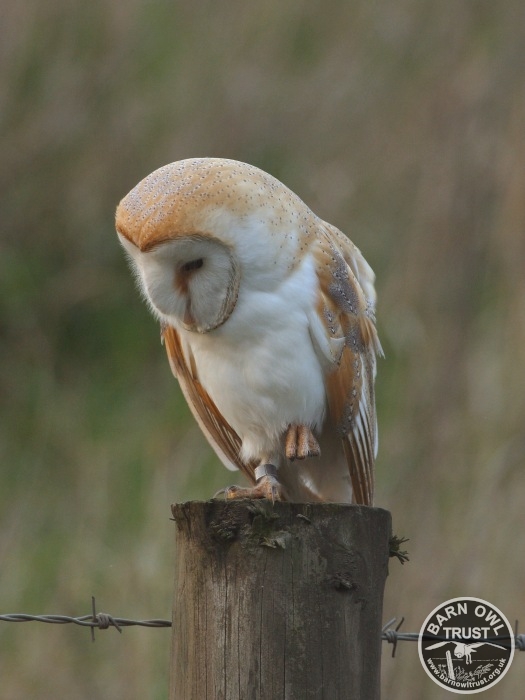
x,y
279,601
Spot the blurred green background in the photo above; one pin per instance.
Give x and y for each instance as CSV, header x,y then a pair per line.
x,y
400,121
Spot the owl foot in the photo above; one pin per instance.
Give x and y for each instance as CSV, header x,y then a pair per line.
x,y
300,443
267,486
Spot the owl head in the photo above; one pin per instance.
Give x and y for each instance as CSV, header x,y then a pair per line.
x,y
193,228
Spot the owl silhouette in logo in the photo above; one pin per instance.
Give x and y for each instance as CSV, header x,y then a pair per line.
x,y
464,650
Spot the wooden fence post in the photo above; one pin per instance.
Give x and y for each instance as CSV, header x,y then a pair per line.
x,y
278,602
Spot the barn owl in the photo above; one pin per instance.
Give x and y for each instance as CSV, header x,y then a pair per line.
x,y
267,315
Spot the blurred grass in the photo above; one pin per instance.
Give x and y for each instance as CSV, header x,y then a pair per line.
x,y
403,124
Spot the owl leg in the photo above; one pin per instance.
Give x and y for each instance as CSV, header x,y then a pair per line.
x,y
300,443
267,486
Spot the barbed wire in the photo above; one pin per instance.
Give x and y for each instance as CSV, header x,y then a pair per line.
x,y
104,621
393,636
101,621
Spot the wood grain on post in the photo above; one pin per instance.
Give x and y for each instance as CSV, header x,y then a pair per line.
x,y
279,601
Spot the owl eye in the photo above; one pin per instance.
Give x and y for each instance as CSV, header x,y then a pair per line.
x,y
192,265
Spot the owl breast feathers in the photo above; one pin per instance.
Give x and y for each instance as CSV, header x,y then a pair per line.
x,y
268,320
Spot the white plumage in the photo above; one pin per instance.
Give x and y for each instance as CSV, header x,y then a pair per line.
x,y
268,319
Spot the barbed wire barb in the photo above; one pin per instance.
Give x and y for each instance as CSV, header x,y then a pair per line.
x,y
102,620
390,635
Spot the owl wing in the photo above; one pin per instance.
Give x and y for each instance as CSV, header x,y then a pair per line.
x,y
345,313
480,644
221,436
436,646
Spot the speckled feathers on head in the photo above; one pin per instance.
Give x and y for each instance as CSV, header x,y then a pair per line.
x,y
182,197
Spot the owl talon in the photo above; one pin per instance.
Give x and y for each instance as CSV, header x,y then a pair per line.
x,y
300,443
268,487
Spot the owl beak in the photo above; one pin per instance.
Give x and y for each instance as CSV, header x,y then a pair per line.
x,y
188,320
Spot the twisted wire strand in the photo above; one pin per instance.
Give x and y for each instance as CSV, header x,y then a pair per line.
x,y
101,621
